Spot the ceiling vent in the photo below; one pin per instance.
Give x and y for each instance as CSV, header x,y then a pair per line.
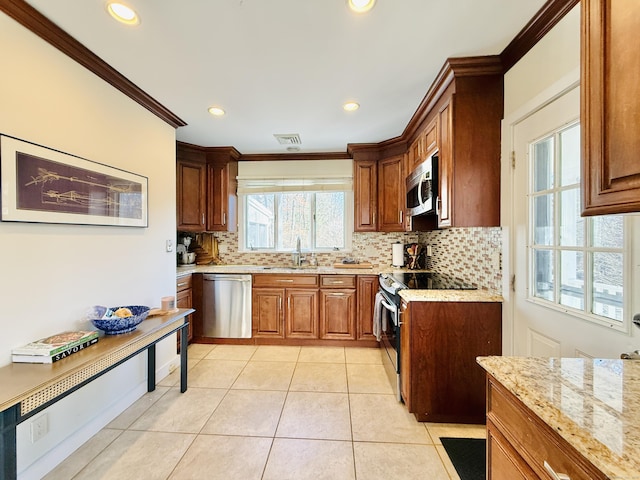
x,y
288,138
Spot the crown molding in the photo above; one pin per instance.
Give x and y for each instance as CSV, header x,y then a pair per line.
x,y
30,18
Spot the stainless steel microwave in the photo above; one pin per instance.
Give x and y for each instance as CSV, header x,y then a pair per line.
x,y
422,185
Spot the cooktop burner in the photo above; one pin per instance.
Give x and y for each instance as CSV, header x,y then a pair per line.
x,y
430,281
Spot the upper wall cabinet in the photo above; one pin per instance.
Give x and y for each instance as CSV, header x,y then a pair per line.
x,y
222,186
206,188
463,111
191,176
391,196
365,186
610,107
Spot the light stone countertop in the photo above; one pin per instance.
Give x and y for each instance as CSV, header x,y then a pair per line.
x,y
450,296
594,404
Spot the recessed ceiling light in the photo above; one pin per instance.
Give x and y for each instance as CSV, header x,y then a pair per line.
x,y
123,13
351,106
216,111
361,6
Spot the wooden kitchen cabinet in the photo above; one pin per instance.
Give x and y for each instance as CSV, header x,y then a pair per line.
x,y
365,186
267,312
610,109
391,196
423,145
285,306
206,188
440,378
367,288
222,186
184,299
191,192
338,307
519,443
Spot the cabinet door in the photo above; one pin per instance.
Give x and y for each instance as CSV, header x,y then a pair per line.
x,y
367,288
416,152
338,314
504,463
445,169
302,313
268,312
610,109
391,197
365,185
405,355
191,193
221,206
184,299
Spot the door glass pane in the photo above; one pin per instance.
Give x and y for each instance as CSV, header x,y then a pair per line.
x,y
260,221
571,223
294,220
543,220
607,231
330,220
572,279
570,156
543,274
607,285
543,164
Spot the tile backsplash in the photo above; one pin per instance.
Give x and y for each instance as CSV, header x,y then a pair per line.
x,y
470,254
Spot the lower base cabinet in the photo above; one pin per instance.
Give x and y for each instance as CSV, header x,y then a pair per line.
x,y
184,299
522,446
441,380
314,309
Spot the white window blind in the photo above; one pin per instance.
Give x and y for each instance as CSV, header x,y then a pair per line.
x,y
295,176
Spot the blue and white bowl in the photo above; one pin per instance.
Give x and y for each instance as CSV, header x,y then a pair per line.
x,y
117,325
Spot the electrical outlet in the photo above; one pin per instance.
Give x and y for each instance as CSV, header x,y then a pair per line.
x,y
169,245
39,427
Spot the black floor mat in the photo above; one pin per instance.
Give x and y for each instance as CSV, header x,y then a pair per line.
x,y
468,456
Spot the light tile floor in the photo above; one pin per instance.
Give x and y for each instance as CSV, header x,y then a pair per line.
x,y
269,413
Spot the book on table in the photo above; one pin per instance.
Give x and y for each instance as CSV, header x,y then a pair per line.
x,y
55,347
75,348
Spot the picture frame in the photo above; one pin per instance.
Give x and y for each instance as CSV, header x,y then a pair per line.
x,y
43,185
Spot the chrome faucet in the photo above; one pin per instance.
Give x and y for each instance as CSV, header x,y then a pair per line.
x,y
297,256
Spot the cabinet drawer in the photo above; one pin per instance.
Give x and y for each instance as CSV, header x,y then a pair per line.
x,y
183,282
337,281
533,439
287,281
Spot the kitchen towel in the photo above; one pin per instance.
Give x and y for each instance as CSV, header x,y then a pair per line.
x,y
397,254
379,317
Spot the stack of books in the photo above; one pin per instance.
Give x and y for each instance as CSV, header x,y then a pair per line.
x,y
54,348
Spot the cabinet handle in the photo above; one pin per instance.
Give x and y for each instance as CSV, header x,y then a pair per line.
x,y
438,205
401,216
280,303
286,280
203,218
336,282
224,218
182,284
374,218
554,475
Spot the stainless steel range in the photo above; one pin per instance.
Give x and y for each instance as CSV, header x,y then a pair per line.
x,y
390,301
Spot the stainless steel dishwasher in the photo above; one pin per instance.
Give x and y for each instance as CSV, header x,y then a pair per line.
x,y
227,305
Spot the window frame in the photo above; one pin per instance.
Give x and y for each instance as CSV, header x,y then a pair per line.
x,y
348,224
587,249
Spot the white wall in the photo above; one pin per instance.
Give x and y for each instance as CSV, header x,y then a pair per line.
x,y
51,274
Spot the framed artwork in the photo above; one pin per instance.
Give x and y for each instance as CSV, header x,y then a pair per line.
x,y
43,185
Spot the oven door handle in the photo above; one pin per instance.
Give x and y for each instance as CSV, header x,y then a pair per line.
x,y
388,306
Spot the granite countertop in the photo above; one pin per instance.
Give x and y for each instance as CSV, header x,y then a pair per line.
x,y
594,404
449,296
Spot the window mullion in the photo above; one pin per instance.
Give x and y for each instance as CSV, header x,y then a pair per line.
x,y
557,198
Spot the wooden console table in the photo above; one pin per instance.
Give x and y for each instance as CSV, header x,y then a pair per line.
x,y
29,388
